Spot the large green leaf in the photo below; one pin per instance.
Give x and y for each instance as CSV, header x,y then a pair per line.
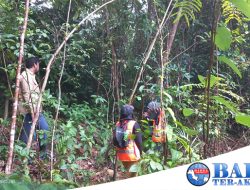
x,y
187,112
243,6
185,143
152,164
231,64
171,113
223,38
202,79
231,106
176,155
170,133
243,119
213,80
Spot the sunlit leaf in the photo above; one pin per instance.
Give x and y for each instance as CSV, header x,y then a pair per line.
x,y
172,114
243,6
223,38
187,112
202,80
243,119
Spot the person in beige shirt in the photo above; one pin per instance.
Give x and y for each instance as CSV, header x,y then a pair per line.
x,y
28,99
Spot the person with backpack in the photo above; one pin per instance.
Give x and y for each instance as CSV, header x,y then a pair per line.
x,y
127,139
156,119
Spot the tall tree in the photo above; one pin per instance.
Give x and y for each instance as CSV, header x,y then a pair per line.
x,y
14,111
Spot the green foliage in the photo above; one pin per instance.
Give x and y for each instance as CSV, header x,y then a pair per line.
x,y
231,64
213,80
230,12
187,9
116,40
16,182
149,163
187,112
243,119
187,130
223,38
243,5
77,132
230,105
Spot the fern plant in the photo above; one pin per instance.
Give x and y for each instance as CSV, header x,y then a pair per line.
x,y
187,9
230,12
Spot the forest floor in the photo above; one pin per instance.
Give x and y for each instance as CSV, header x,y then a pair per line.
x,y
220,146
101,174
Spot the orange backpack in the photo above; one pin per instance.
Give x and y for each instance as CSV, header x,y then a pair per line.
x,y
159,135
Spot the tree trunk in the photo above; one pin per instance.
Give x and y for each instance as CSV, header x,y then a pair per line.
x,y
6,108
14,112
210,66
170,39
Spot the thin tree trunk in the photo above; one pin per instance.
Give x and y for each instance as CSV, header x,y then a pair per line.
x,y
113,66
51,61
116,78
115,84
14,112
170,39
6,108
210,66
148,53
59,98
164,144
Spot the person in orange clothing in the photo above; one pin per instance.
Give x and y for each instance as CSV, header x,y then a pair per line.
x,y
128,139
155,115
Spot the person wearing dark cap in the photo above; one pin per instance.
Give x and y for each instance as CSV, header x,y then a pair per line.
x,y
128,139
155,116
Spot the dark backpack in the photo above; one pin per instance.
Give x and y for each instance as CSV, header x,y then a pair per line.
x,y
121,135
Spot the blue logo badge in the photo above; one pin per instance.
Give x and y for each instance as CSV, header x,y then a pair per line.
x,y
198,174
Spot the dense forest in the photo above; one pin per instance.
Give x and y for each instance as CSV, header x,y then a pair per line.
x,y
192,56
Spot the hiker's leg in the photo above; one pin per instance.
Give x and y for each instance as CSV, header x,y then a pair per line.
x,y
26,128
158,147
43,125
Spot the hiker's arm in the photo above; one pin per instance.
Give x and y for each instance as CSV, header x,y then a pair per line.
x,y
138,136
